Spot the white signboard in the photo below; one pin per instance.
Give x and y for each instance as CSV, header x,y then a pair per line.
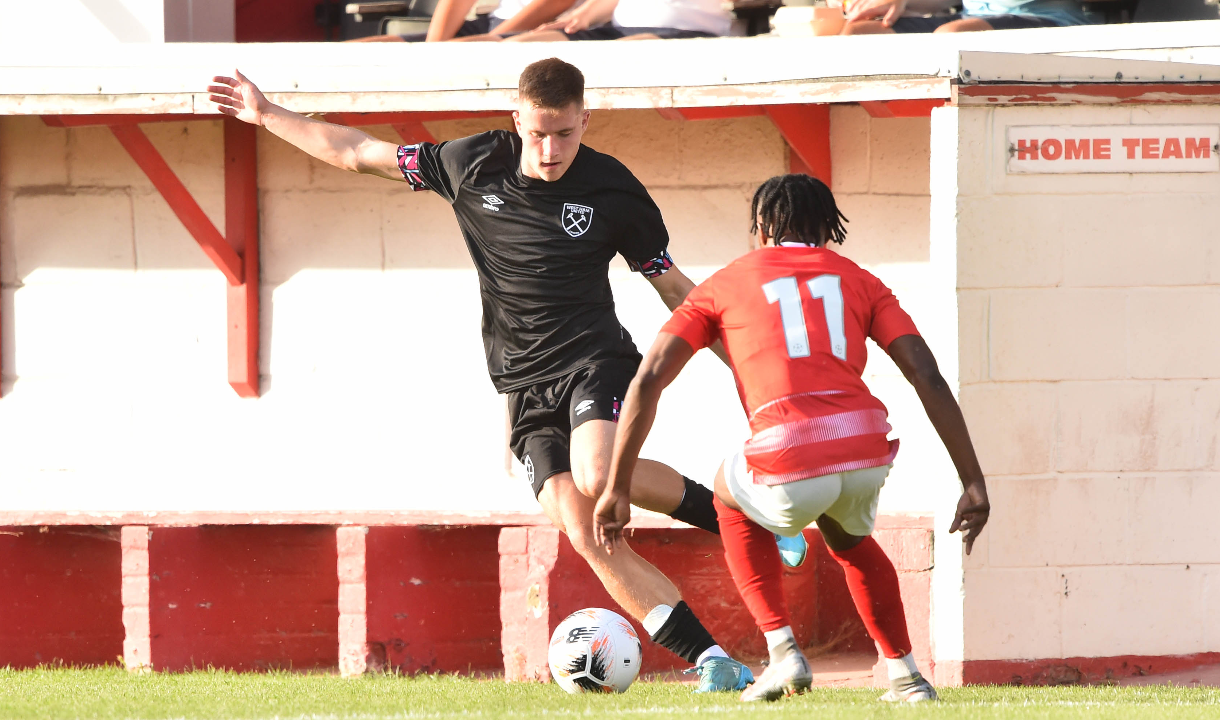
x,y
1113,148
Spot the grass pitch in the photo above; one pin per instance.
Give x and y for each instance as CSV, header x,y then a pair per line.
x,y
107,693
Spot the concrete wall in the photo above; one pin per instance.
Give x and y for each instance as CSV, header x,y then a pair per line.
x,y
1090,375
375,393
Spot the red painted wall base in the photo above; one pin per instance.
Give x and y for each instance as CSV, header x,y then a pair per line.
x,y
59,596
244,597
433,599
1072,671
543,580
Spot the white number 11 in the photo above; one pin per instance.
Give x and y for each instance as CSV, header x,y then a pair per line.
x,y
824,287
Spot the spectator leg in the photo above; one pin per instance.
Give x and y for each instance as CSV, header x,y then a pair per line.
x,y
539,36
964,25
866,27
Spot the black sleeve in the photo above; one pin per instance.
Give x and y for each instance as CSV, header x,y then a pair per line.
x,y
640,234
444,167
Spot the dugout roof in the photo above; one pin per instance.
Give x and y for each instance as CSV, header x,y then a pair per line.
x,y
393,77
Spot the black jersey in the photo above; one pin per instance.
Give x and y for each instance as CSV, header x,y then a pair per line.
x,y
543,250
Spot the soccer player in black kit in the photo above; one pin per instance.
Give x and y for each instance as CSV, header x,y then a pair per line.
x,y
542,216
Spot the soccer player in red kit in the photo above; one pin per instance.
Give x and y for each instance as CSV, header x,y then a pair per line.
x,y
793,316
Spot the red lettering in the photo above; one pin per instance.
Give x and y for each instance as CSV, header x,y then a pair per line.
x,y
1027,150
1076,150
1172,148
1150,149
1198,148
1052,149
1101,148
1132,144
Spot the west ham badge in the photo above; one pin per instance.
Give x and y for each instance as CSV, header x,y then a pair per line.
x,y
576,219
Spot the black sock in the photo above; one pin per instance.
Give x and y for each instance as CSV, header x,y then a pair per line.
x,y
683,634
696,507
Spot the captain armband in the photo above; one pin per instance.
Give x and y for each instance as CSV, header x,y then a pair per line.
x,y
408,164
656,267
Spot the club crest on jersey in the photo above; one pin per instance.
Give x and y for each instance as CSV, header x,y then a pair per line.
x,y
576,219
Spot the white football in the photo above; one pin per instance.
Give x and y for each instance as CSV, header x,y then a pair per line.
x,y
594,650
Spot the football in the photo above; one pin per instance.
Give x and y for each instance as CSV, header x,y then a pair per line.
x,y
594,650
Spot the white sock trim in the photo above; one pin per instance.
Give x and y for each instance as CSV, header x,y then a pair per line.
x,y
903,667
713,651
656,618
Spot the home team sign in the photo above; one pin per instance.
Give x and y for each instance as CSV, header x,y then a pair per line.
x,y
1114,148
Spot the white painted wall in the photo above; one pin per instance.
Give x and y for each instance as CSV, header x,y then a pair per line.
x,y
375,393
1090,374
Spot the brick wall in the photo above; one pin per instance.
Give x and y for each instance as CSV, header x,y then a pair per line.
x,y
1090,375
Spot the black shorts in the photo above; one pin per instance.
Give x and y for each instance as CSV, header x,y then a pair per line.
x,y
997,22
481,25
543,415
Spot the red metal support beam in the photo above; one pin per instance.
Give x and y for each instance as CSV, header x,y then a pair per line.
x,y
137,144
902,108
236,253
711,113
806,128
1,302
242,234
71,121
413,132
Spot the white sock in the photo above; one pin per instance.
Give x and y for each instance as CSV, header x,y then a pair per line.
x,y
903,667
778,638
713,651
656,618
780,642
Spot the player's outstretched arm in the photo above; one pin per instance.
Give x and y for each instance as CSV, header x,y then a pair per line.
x,y
345,148
665,359
673,286
914,358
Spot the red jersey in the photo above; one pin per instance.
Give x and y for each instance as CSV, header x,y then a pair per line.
x,y
793,320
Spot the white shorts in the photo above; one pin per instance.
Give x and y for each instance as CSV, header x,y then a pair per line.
x,y
849,498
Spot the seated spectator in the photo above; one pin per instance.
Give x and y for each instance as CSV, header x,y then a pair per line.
x,y
867,17
636,20
510,16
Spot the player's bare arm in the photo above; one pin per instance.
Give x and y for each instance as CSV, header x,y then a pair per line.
x,y
665,359
673,287
343,147
914,358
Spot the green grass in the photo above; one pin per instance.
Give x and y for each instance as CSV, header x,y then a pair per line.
x,y
112,693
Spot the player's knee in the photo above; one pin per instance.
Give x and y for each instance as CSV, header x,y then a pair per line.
x,y
590,481
583,542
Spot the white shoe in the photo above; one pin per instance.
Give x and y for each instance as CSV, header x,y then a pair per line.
x,y
910,689
790,676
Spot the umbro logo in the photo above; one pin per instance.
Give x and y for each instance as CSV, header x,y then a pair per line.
x,y
583,406
491,202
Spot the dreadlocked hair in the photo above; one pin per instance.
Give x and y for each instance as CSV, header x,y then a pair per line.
x,y
800,206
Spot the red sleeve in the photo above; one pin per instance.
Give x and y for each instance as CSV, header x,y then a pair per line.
x,y
890,321
696,320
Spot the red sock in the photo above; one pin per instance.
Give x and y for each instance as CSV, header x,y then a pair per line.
x,y
753,560
873,583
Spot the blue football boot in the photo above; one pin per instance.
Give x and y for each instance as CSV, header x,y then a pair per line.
x,y
722,674
792,550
